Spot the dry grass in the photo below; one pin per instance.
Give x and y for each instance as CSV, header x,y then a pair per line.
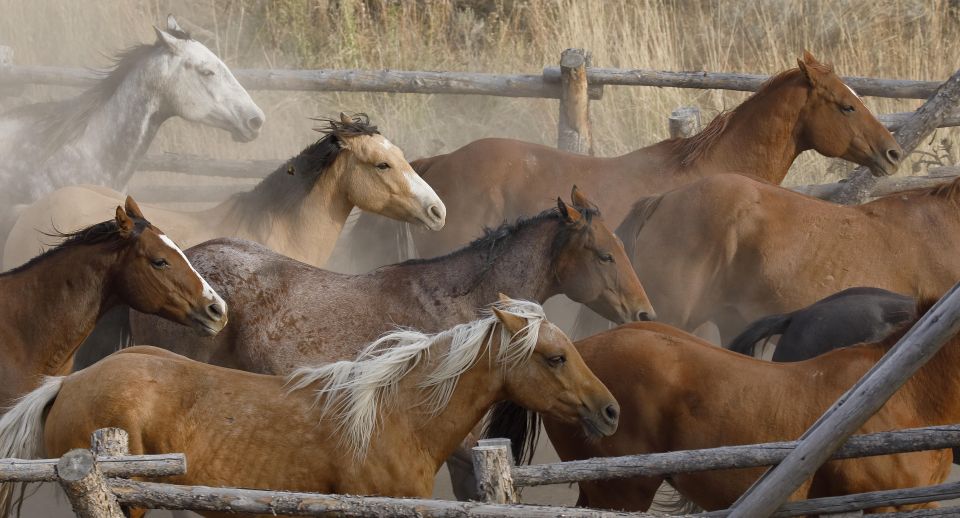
x,y
888,38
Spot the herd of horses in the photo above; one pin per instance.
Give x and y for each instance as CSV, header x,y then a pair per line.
x,y
367,382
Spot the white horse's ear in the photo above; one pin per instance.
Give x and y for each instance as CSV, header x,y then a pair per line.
x,y
172,24
171,42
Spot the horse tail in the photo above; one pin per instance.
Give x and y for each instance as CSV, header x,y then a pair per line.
x,y
762,329
21,433
510,420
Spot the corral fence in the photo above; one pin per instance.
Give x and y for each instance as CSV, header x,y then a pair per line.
x,y
574,83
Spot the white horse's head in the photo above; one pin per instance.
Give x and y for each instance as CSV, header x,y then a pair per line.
x,y
199,87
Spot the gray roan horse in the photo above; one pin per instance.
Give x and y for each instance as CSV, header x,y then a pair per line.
x,y
97,137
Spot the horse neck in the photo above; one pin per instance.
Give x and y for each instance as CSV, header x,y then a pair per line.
x,y
304,226
58,301
119,132
761,137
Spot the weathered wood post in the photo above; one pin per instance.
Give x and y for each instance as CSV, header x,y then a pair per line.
x,y
573,130
85,486
491,465
110,442
921,123
854,407
684,122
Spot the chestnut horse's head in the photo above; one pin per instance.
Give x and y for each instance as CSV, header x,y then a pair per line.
x,y
592,267
153,276
554,380
835,122
377,177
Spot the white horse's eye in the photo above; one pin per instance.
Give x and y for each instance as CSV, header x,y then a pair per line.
x,y
205,72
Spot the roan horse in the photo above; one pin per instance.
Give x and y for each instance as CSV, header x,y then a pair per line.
x,y
730,249
50,304
97,137
678,392
492,180
298,210
380,425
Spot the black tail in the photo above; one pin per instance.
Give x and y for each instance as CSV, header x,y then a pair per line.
x,y
521,426
760,330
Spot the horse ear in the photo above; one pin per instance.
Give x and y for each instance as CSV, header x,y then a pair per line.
x,y
569,214
503,298
513,324
133,210
580,200
344,118
124,223
169,41
808,58
809,67
172,24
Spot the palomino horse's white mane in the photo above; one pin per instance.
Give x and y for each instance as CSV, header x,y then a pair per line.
x,y
354,391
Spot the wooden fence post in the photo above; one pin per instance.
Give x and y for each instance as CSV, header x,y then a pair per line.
x,y
85,486
684,122
110,442
855,407
573,130
491,465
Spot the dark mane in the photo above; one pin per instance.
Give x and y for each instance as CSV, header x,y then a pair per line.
x,y
691,149
492,243
104,232
948,190
288,186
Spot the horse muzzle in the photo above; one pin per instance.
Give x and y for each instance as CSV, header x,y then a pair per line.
x,y
601,423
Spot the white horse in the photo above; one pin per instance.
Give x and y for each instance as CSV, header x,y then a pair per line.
x,y
97,137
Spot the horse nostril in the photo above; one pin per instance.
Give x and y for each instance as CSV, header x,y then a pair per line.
x,y
612,413
646,316
435,211
214,310
254,123
893,156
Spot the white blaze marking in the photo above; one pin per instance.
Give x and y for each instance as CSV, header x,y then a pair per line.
x,y
386,144
852,91
208,292
421,190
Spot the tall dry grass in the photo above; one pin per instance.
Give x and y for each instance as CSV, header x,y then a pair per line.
x,y
886,38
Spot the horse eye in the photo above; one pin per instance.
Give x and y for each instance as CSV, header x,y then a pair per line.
x,y
556,361
206,72
159,264
847,108
383,165
607,258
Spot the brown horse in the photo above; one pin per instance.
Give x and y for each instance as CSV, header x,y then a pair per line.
x,y
285,313
492,180
679,392
50,304
730,250
380,425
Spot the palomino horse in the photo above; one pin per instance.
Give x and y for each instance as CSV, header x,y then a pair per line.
x,y
298,210
50,304
679,392
380,425
97,137
285,313
850,317
730,249
492,180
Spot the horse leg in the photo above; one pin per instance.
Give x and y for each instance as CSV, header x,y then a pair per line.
x,y
460,466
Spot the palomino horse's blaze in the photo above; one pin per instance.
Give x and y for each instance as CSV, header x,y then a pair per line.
x,y
50,304
492,180
730,250
679,393
380,425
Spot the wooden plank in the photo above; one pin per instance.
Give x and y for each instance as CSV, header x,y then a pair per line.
x,y
573,126
893,121
44,470
917,127
854,408
866,86
883,187
85,486
232,500
330,80
729,457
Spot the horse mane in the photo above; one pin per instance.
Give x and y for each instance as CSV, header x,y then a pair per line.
x,y
286,188
689,150
354,391
59,122
637,218
948,190
104,232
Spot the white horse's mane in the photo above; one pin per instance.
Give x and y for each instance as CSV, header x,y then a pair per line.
x,y
354,391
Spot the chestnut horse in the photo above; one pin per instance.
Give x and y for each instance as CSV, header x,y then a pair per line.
x,y
49,305
298,210
492,180
730,249
679,393
285,313
382,424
